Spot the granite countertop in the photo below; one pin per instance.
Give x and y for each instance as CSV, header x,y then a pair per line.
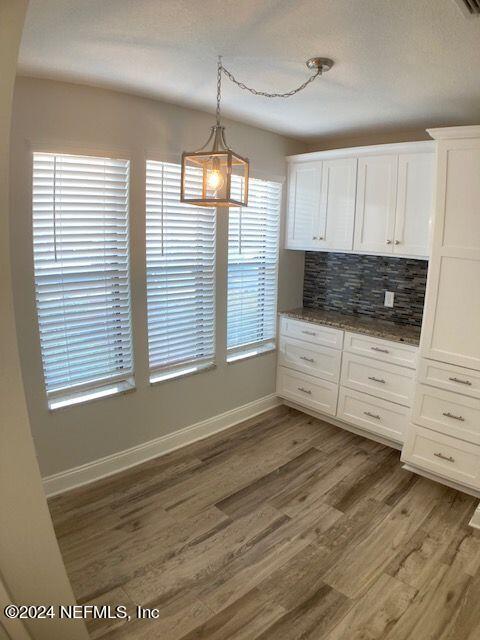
x,y
358,324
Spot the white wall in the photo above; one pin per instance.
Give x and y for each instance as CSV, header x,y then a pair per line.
x,y
66,117
31,568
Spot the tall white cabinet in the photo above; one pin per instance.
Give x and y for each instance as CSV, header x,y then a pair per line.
x,y
374,200
444,437
452,320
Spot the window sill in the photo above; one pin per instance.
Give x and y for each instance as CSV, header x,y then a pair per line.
x,y
253,352
63,402
166,376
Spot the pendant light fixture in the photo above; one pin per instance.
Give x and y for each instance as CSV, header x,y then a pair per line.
x,y
218,176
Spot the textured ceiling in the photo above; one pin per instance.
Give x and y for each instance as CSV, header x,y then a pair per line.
x,y
399,64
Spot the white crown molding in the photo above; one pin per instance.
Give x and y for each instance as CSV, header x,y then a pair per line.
x,y
448,133
104,467
422,146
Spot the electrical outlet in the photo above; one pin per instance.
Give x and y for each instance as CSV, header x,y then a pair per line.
x,y
389,297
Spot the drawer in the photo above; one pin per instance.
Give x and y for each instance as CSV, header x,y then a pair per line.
x,y
394,352
373,414
450,377
448,412
380,379
310,332
313,359
443,455
307,390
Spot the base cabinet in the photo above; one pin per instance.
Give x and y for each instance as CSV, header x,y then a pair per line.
x,y
380,379
449,377
373,392
443,455
311,359
312,392
447,412
375,415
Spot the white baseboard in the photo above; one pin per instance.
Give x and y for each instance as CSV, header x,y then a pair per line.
x,y
103,467
475,521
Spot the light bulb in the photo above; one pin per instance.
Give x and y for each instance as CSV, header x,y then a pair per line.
x,y
214,180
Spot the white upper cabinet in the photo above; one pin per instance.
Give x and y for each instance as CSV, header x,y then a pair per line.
x,y
304,184
337,204
321,205
414,208
376,202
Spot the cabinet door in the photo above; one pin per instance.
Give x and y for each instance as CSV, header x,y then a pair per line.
x,y
337,207
376,202
304,184
459,162
414,204
451,325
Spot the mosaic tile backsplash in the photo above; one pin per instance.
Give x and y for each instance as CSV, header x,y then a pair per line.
x,y
356,284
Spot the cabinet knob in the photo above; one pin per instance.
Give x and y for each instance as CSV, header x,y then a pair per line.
x,y
397,241
315,237
388,242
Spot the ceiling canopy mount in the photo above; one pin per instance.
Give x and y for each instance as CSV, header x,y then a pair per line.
x,y
324,64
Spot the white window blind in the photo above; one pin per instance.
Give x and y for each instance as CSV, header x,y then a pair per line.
x,y
252,269
180,276
81,259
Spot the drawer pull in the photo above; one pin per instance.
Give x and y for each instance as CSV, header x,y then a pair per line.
x,y
447,414
381,380
310,333
307,359
379,349
442,457
305,390
372,415
467,382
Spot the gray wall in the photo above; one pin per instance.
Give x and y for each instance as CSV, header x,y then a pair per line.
x,y
63,117
31,568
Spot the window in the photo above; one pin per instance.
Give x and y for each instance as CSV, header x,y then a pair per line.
x,y
252,271
180,277
80,242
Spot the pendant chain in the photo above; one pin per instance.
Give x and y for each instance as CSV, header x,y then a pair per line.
x,y
256,92
221,69
219,88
